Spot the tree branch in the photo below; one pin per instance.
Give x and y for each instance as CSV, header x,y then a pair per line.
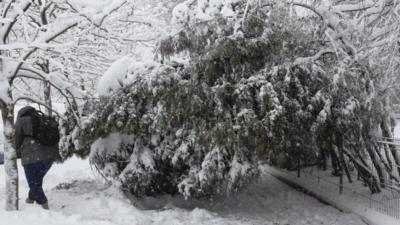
x,y
318,55
29,99
44,77
29,53
103,16
8,28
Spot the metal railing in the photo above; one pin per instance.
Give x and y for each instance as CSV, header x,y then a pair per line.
x,y
387,202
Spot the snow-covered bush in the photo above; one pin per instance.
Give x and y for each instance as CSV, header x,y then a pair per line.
x,y
201,129
175,142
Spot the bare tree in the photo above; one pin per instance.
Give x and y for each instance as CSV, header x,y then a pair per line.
x,y
28,29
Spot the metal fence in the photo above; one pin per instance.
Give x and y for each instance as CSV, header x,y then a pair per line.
x,y
387,202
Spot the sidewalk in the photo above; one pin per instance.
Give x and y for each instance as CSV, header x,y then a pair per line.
x,y
379,209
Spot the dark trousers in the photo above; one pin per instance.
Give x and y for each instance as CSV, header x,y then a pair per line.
x,y
34,175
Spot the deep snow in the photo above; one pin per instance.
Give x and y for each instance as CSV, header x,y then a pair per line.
x,y
79,196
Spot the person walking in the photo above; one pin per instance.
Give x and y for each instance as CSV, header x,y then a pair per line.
x,y
36,158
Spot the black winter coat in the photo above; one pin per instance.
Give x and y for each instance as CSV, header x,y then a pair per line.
x,y
27,149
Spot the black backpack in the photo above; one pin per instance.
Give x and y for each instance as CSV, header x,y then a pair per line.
x,y
44,129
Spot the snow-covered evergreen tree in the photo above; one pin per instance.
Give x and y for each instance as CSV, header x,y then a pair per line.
x,y
240,82
196,129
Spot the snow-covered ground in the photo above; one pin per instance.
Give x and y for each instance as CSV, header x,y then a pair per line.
x,y
79,196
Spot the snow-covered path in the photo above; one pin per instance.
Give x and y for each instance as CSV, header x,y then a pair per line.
x,y
78,196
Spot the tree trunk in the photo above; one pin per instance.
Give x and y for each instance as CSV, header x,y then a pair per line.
x,y
335,163
47,98
339,140
322,162
386,149
45,67
377,165
10,162
387,165
387,132
346,167
365,173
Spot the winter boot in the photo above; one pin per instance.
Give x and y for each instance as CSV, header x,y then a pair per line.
x,y
45,205
29,201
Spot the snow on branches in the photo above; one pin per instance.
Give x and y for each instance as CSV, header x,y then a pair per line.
x,y
261,83
94,10
30,33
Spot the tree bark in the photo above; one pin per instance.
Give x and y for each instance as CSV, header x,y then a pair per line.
x,y
377,165
387,165
45,67
386,149
47,98
322,162
10,162
335,163
339,140
386,131
365,173
346,167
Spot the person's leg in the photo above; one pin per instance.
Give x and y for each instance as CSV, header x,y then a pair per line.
x,y
43,169
32,173
31,197
46,166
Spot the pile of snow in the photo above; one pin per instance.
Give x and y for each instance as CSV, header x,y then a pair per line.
x,y
110,146
111,143
128,70
114,77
